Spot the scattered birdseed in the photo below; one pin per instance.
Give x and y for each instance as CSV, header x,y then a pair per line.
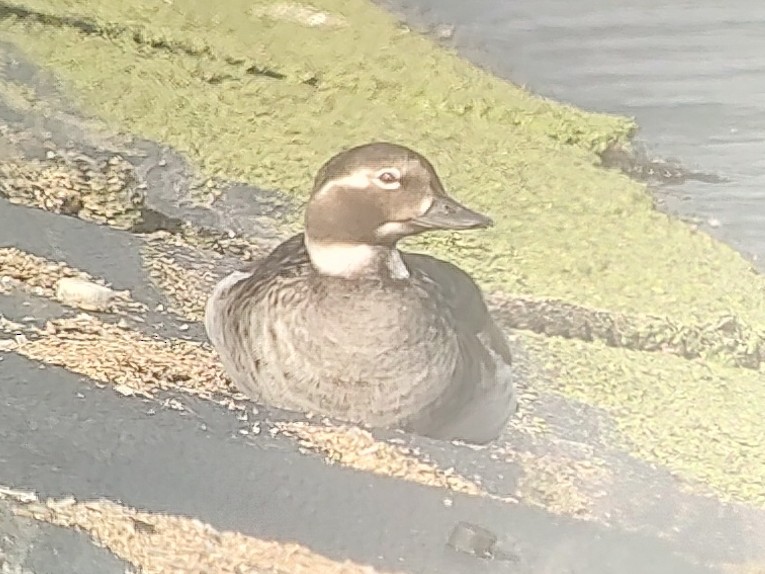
x,y
138,365
100,190
36,273
111,355
162,544
7,345
186,270
42,278
23,496
553,481
356,448
187,290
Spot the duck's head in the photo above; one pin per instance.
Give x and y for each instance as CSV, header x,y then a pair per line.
x,y
367,198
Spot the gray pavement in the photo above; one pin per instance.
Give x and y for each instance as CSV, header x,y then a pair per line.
x,y
31,547
61,437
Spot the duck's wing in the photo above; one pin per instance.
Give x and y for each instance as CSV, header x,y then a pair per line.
x,y
460,293
228,309
482,398
289,257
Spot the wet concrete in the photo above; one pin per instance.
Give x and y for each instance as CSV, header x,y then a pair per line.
x,y
691,73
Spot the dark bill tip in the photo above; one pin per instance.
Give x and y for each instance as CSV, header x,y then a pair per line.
x,y
446,213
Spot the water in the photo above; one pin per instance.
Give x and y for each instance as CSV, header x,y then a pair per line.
x,y
691,73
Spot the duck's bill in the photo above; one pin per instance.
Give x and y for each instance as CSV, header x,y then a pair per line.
x,y
446,213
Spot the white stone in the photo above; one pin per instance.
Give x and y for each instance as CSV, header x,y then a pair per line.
x,y
84,294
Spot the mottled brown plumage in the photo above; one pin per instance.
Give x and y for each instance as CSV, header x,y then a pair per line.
x,y
337,321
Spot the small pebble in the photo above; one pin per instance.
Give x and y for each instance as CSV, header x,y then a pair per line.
x,y
472,539
84,294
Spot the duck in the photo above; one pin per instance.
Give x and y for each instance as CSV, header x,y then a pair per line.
x,y
339,322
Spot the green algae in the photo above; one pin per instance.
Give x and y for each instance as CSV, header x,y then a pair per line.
x,y
704,421
246,99
182,73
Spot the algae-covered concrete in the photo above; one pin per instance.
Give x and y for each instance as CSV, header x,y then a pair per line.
x,y
250,94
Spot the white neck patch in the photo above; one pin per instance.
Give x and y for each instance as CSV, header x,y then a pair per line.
x,y
351,260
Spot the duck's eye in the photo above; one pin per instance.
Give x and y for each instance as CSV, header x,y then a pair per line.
x,y
389,178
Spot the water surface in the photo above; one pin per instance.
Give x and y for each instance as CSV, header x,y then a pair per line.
x,y
691,73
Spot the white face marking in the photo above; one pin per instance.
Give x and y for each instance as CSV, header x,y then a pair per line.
x,y
401,228
359,179
393,174
363,177
392,229
426,204
351,260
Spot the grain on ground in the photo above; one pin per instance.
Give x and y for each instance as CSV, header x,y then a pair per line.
x,y
556,482
40,277
111,354
103,190
186,289
160,543
186,267
35,273
356,448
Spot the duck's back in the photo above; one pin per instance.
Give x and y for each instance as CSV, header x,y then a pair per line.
x,y
422,353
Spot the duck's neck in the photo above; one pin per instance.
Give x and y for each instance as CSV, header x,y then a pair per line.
x,y
354,260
